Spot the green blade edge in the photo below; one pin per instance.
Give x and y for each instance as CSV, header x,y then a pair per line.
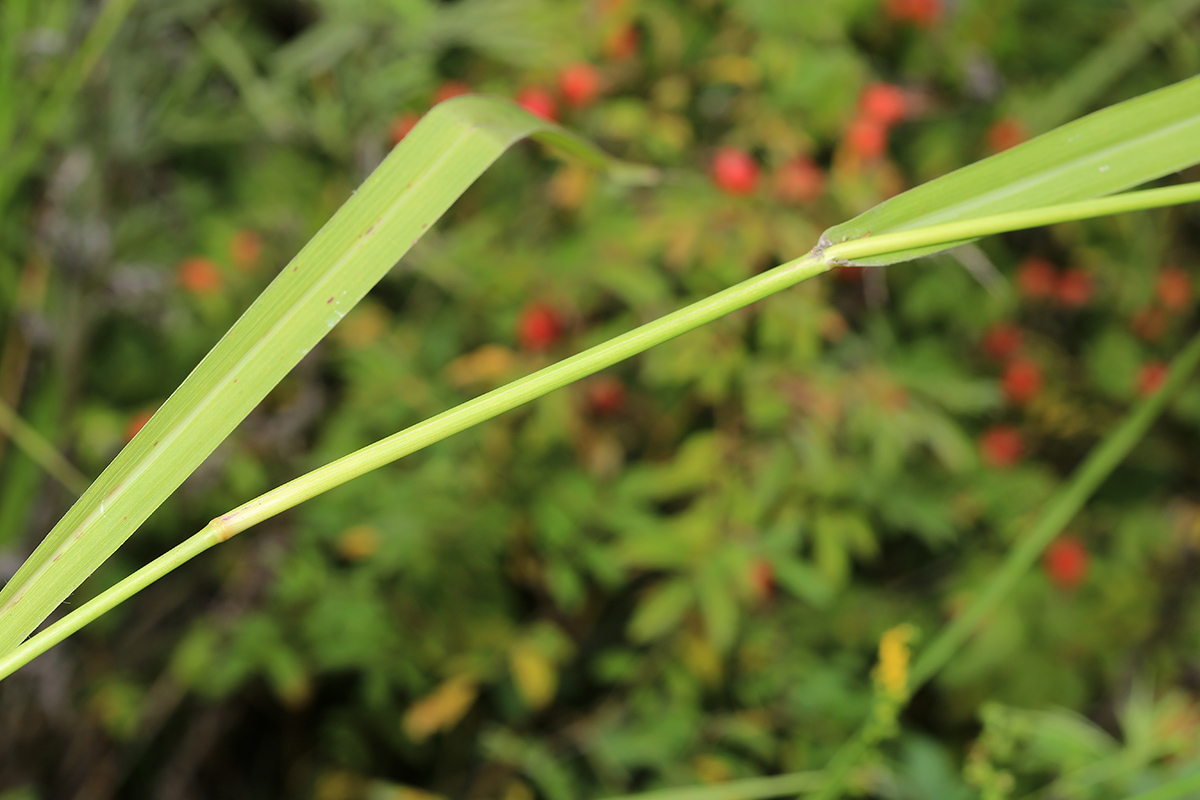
x,y
1113,149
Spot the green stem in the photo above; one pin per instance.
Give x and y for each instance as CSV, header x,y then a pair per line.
x,y
42,641
951,232
1098,465
418,436
520,392
40,451
604,355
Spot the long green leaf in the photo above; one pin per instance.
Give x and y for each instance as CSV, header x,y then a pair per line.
x,y
409,191
1113,149
40,451
546,380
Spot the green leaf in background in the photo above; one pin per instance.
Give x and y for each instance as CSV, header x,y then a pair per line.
x,y
410,190
1151,23
661,610
1113,149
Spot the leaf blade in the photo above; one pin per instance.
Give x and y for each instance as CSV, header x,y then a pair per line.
x,y
1113,149
407,193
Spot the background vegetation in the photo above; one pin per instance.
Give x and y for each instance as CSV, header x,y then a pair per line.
x,y
675,573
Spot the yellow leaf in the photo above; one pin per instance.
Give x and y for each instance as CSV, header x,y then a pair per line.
x,y
396,791
711,769
738,70
489,363
534,674
441,709
518,790
358,542
701,659
570,186
363,326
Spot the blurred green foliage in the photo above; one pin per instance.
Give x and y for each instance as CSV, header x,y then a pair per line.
x,y
672,574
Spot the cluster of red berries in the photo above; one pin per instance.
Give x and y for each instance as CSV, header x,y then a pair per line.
x,y
800,180
797,181
539,328
1173,295
924,13
880,107
199,275
1002,445
1022,380
404,122
1022,377
579,85
1038,279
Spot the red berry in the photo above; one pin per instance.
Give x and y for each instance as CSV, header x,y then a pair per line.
x,y
762,579
1074,288
450,89
136,423
1005,133
199,275
919,12
1151,377
1066,562
1001,341
622,43
539,102
1174,289
1036,278
402,124
867,138
606,396
734,171
1022,381
1150,323
579,84
799,181
883,103
245,248
1001,446
539,328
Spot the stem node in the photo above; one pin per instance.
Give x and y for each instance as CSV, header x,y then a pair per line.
x,y
223,528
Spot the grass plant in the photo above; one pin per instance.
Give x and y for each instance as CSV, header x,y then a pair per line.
x,y
1072,173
